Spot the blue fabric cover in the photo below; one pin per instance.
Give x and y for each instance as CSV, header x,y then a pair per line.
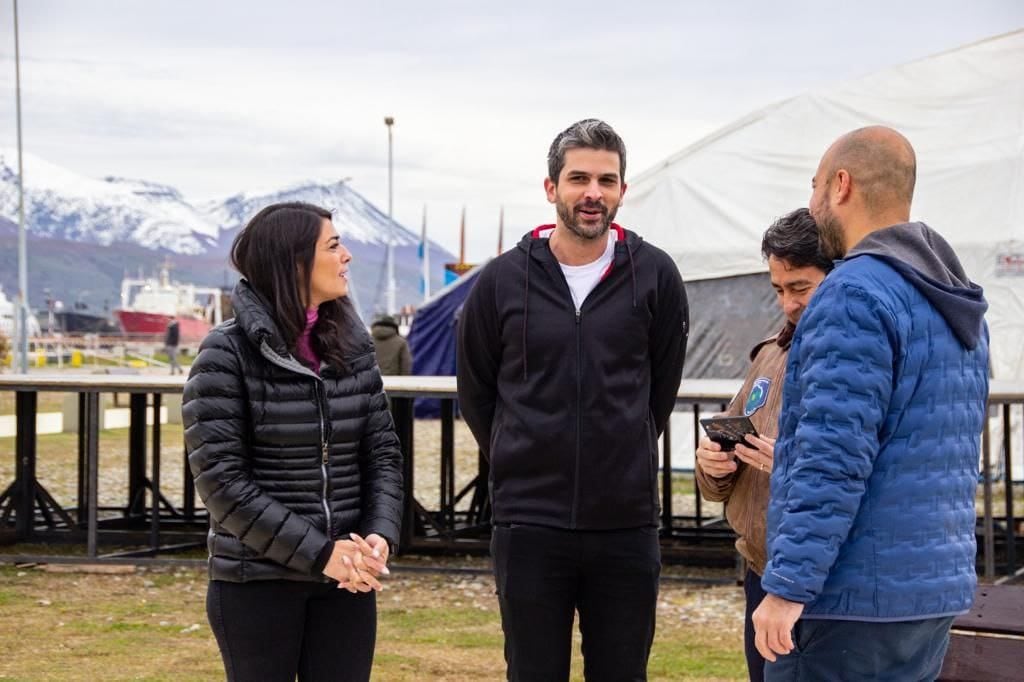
x,y
432,339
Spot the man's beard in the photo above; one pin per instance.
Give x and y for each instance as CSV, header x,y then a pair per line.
x,y
830,235
569,216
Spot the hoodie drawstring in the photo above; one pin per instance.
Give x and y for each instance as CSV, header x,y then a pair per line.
x,y
632,271
526,292
526,304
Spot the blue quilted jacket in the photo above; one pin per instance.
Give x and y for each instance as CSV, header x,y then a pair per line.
x,y
872,515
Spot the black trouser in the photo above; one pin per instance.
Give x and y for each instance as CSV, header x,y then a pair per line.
x,y
544,576
907,651
276,629
754,593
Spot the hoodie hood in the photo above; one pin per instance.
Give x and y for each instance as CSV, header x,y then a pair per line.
x,y
624,241
383,331
618,233
928,262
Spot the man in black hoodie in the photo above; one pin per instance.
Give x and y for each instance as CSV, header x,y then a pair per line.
x,y
570,352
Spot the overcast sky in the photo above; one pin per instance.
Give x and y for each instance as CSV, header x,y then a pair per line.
x,y
221,97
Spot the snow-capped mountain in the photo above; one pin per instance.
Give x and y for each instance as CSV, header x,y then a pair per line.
x,y
364,230
355,218
63,204
94,231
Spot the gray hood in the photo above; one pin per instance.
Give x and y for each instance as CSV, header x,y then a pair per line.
x,y
927,260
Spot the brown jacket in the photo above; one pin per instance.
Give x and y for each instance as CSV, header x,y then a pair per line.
x,y
745,491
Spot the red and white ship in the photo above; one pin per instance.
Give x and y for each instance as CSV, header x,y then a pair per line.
x,y
147,305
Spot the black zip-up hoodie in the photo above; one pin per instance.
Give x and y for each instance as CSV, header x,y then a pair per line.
x,y
568,406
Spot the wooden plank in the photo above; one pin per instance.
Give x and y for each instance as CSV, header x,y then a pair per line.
x,y
998,609
982,657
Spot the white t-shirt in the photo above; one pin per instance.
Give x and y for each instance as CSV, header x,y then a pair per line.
x,y
583,278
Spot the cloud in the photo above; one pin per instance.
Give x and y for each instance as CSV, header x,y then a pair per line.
x,y
216,98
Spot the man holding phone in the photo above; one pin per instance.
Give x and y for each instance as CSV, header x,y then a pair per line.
x,y
740,476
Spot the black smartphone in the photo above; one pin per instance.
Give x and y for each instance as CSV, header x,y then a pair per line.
x,y
728,431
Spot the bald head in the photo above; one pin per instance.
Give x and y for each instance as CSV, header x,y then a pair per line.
x,y
881,163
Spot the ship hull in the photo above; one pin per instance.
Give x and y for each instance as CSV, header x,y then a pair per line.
x,y
191,329
84,323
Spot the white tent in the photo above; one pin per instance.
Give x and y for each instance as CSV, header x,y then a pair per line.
x,y
963,111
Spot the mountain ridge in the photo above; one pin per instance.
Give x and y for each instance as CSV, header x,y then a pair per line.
x,y
83,231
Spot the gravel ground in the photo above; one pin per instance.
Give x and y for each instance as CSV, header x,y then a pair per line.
x,y
427,440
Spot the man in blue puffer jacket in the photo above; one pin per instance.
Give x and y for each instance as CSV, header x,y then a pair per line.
x,y
871,549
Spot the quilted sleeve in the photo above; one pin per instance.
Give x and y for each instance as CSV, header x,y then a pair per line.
x,y
216,419
840,384
380,464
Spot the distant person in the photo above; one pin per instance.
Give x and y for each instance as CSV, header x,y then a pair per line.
x,y
172,337
294,454
570,351
5,348
871,519
796,266
393,356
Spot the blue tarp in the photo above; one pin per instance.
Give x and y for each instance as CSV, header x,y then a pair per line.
x,y
432,337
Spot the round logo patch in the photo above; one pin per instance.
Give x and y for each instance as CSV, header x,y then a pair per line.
x,y
758,395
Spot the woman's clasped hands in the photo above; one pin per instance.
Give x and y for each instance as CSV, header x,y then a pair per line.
x,y
357,563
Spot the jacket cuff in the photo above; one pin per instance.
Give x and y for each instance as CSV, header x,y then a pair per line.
x,y
715,489
385,529
773,581
322,558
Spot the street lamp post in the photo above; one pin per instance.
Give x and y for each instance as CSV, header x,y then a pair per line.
x,y
21,314
389,121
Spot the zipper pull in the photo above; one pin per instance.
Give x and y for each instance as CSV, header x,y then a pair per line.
x,y
579,313
325,453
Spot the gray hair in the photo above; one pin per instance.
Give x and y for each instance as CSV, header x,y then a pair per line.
x,y
590,133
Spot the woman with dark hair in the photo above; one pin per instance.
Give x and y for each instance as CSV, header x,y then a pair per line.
x,y
295,456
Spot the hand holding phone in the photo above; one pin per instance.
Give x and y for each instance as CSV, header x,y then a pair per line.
x,y
728,431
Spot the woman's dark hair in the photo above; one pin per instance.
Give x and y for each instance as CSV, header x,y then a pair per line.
x,y
794,239
275,252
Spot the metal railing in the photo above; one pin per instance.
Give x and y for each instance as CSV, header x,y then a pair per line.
x,y
152,526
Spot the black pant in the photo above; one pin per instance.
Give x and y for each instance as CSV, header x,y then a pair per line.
x,y
908,651
754,593
545,575
272,630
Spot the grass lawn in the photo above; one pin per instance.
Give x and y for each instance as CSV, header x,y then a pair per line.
x,y
151,624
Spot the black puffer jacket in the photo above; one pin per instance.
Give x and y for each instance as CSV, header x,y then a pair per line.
x,y
286,460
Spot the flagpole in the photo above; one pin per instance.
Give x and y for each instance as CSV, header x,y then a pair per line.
x,y
21,314
462,238
390,253
501,229
425,256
